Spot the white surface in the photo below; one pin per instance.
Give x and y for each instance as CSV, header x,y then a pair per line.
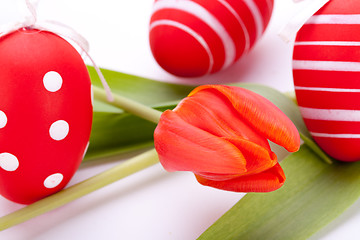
x,y
152,204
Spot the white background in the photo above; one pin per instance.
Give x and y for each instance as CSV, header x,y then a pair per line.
x,y
152,204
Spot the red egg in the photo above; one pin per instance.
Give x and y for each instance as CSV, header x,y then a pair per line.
x,y
45,114
192,38
326,72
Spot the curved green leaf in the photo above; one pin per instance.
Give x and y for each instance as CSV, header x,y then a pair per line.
x,y
313,195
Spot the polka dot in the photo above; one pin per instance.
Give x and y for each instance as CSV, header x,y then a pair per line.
x,y
59,130
53,180
8,162
3,119
52,81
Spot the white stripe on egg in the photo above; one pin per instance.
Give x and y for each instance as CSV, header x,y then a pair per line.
x,y
203,14
257,17
335,19
328,43
325,89
330,114
335,135
189,31
326,65
241,22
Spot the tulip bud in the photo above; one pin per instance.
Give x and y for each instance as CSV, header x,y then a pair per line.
x,y
220,133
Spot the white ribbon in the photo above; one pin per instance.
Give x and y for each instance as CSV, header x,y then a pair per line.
x,y
59,29
289,31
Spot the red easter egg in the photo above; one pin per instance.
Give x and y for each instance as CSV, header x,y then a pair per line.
x,y
192,38
45,114
326,72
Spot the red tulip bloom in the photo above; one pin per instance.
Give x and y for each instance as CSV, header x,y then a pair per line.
x,y
221,133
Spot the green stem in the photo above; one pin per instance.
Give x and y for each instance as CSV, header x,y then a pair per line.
x,y
313,146
83,188
129,105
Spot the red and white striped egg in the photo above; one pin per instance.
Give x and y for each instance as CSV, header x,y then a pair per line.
x,y
45,114
326,70
191,38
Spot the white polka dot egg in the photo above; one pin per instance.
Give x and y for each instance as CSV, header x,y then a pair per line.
x,y
45,114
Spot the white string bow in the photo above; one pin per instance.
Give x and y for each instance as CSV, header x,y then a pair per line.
x,y
58,28
288,32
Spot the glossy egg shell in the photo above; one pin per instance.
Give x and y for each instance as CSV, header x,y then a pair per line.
x,y
191,38
326,72
45,114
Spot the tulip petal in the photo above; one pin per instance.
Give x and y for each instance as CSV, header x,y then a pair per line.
x,y
217,177
212,112
260,114
266,181
183,147
258,159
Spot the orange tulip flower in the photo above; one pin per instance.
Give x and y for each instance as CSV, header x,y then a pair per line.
x,y
220,133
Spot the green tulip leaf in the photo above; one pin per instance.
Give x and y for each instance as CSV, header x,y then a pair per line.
x,y
314,194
